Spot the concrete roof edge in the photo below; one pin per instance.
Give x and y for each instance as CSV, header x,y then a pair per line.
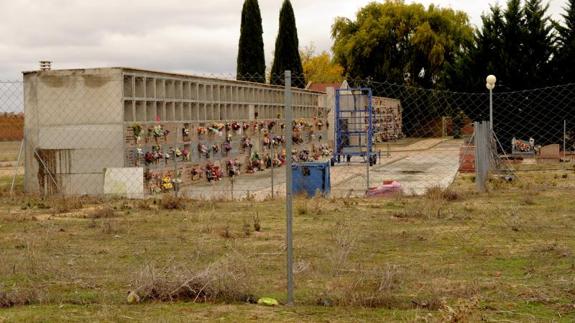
x,y
133,69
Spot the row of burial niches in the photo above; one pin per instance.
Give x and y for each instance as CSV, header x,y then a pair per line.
x,y
179,154
166,89
152,111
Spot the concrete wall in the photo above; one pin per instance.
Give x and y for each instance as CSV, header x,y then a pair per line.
x,y
81,121
75,117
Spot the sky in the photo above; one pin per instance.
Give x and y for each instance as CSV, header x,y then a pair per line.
x,y
187,36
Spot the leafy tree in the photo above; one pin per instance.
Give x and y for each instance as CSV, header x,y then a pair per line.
x,y
251,65
320,68
287,50
398,42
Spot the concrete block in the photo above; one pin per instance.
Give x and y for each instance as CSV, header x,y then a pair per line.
x,y
550,152
126,182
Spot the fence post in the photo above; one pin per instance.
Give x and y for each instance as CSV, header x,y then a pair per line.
x,y
272,157
289,186
482,154
176,179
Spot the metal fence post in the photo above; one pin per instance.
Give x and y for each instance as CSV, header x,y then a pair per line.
x,y
176,179
482,154
289,197
272,158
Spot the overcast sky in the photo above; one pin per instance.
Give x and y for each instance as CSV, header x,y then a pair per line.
x,y
191,36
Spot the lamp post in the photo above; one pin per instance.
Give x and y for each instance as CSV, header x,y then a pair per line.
x,y
490,84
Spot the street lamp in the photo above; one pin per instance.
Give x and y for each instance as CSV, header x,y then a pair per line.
x,y
490,84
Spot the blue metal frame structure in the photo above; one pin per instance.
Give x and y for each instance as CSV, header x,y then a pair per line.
x,y
352,124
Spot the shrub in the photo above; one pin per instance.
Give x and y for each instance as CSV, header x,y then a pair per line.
x,y
171,202
226,280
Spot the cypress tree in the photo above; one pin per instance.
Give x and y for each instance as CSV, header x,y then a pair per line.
x,y
564,61
287,49
251,65
538,44
513,35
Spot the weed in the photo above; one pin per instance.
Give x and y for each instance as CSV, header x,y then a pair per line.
x,y
247,229
439,193
18,297
65,205
462,311
226,233
257,223
344,241
110,227
372,289
102,213
171,202
302,208
226,280
528,200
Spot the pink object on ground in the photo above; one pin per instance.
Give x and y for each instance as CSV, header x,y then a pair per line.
x,y
386,189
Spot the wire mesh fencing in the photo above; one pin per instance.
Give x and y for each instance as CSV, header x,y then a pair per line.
x,y
140,133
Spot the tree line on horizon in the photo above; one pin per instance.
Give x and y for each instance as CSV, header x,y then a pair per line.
x,y
429,47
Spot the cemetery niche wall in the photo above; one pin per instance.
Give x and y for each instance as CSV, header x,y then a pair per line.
x,y
178,129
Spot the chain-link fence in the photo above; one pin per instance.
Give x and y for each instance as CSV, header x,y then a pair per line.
x,y
447,252
139,133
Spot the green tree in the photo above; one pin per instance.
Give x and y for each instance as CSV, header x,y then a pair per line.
x,y
287,50
320,68
564,67
251,64
539,45
398,42
477,59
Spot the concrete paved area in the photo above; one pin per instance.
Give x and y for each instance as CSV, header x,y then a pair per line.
x,y
426,163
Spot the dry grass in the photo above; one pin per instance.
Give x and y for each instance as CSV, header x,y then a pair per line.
x,y
171,202
225,280
490,256
372,289
18,297
102,213
440,193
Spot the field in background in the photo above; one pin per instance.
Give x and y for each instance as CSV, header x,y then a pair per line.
x,y
451,255
9,150
11,127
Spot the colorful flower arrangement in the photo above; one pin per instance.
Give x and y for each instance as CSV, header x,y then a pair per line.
x,y
233,167
215,149
185,132
185,154
167,183
267,141
256,163
297,140
196,173
246,143
203,150
216,128
227,147
149,157
213,172
137,130
236,126
202,131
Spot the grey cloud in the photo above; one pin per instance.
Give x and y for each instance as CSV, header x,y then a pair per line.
x,y
173,35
